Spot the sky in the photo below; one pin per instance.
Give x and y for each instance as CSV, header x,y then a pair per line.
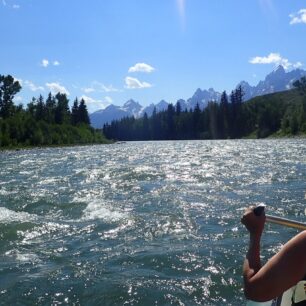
x,y
109,51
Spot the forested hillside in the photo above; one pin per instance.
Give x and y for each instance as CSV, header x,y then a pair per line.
x,y
281,114
43,122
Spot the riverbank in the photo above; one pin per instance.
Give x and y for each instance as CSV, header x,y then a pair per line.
x,y
21,147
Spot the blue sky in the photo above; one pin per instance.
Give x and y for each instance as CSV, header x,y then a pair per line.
x,y
109,51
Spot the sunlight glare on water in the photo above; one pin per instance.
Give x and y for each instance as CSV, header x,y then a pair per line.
x,y
147,223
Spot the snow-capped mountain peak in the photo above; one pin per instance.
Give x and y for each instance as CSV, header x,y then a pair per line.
x,y
132,107
279,70
278,80
130,103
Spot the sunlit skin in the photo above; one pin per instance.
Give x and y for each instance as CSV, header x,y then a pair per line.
x,y
281,272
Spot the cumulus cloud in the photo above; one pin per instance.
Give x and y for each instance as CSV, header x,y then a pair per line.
x,y
276,59
133,83
32,86
141,67
56,87
96,104
16,6
45,63
299,17
56,63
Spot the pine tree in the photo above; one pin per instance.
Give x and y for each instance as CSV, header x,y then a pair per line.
x,y
300,85
178,109
8,89
31,107
146,127
224,115
170,122
75,112
155,125
196,115
83,113
40,109
239,93
50,109
62,112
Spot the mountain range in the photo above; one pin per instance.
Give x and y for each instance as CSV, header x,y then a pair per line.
x,y
277,80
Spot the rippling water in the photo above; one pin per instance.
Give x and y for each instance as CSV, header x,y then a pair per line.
x,y
147,223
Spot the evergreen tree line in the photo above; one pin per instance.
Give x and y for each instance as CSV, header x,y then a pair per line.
x,y
43,122
55,110
231,118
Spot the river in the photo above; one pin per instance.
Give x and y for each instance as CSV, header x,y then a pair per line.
x,y
141,223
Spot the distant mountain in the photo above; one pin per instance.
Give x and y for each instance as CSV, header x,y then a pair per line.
x,y
132,108
202,97
277,80
129,109
148,109
111,112
183,104
161,106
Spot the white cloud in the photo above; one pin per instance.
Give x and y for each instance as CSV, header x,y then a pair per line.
x,y
133,83
13,6
108,88
141,67
45,63
299,17
88,90
270,59
18,99
19,80
94,105
108,100
276,59
297,65
56,87
100,87
32,86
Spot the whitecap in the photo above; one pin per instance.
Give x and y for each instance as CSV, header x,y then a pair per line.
x,y
35,233
98,210
23,257
8,216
